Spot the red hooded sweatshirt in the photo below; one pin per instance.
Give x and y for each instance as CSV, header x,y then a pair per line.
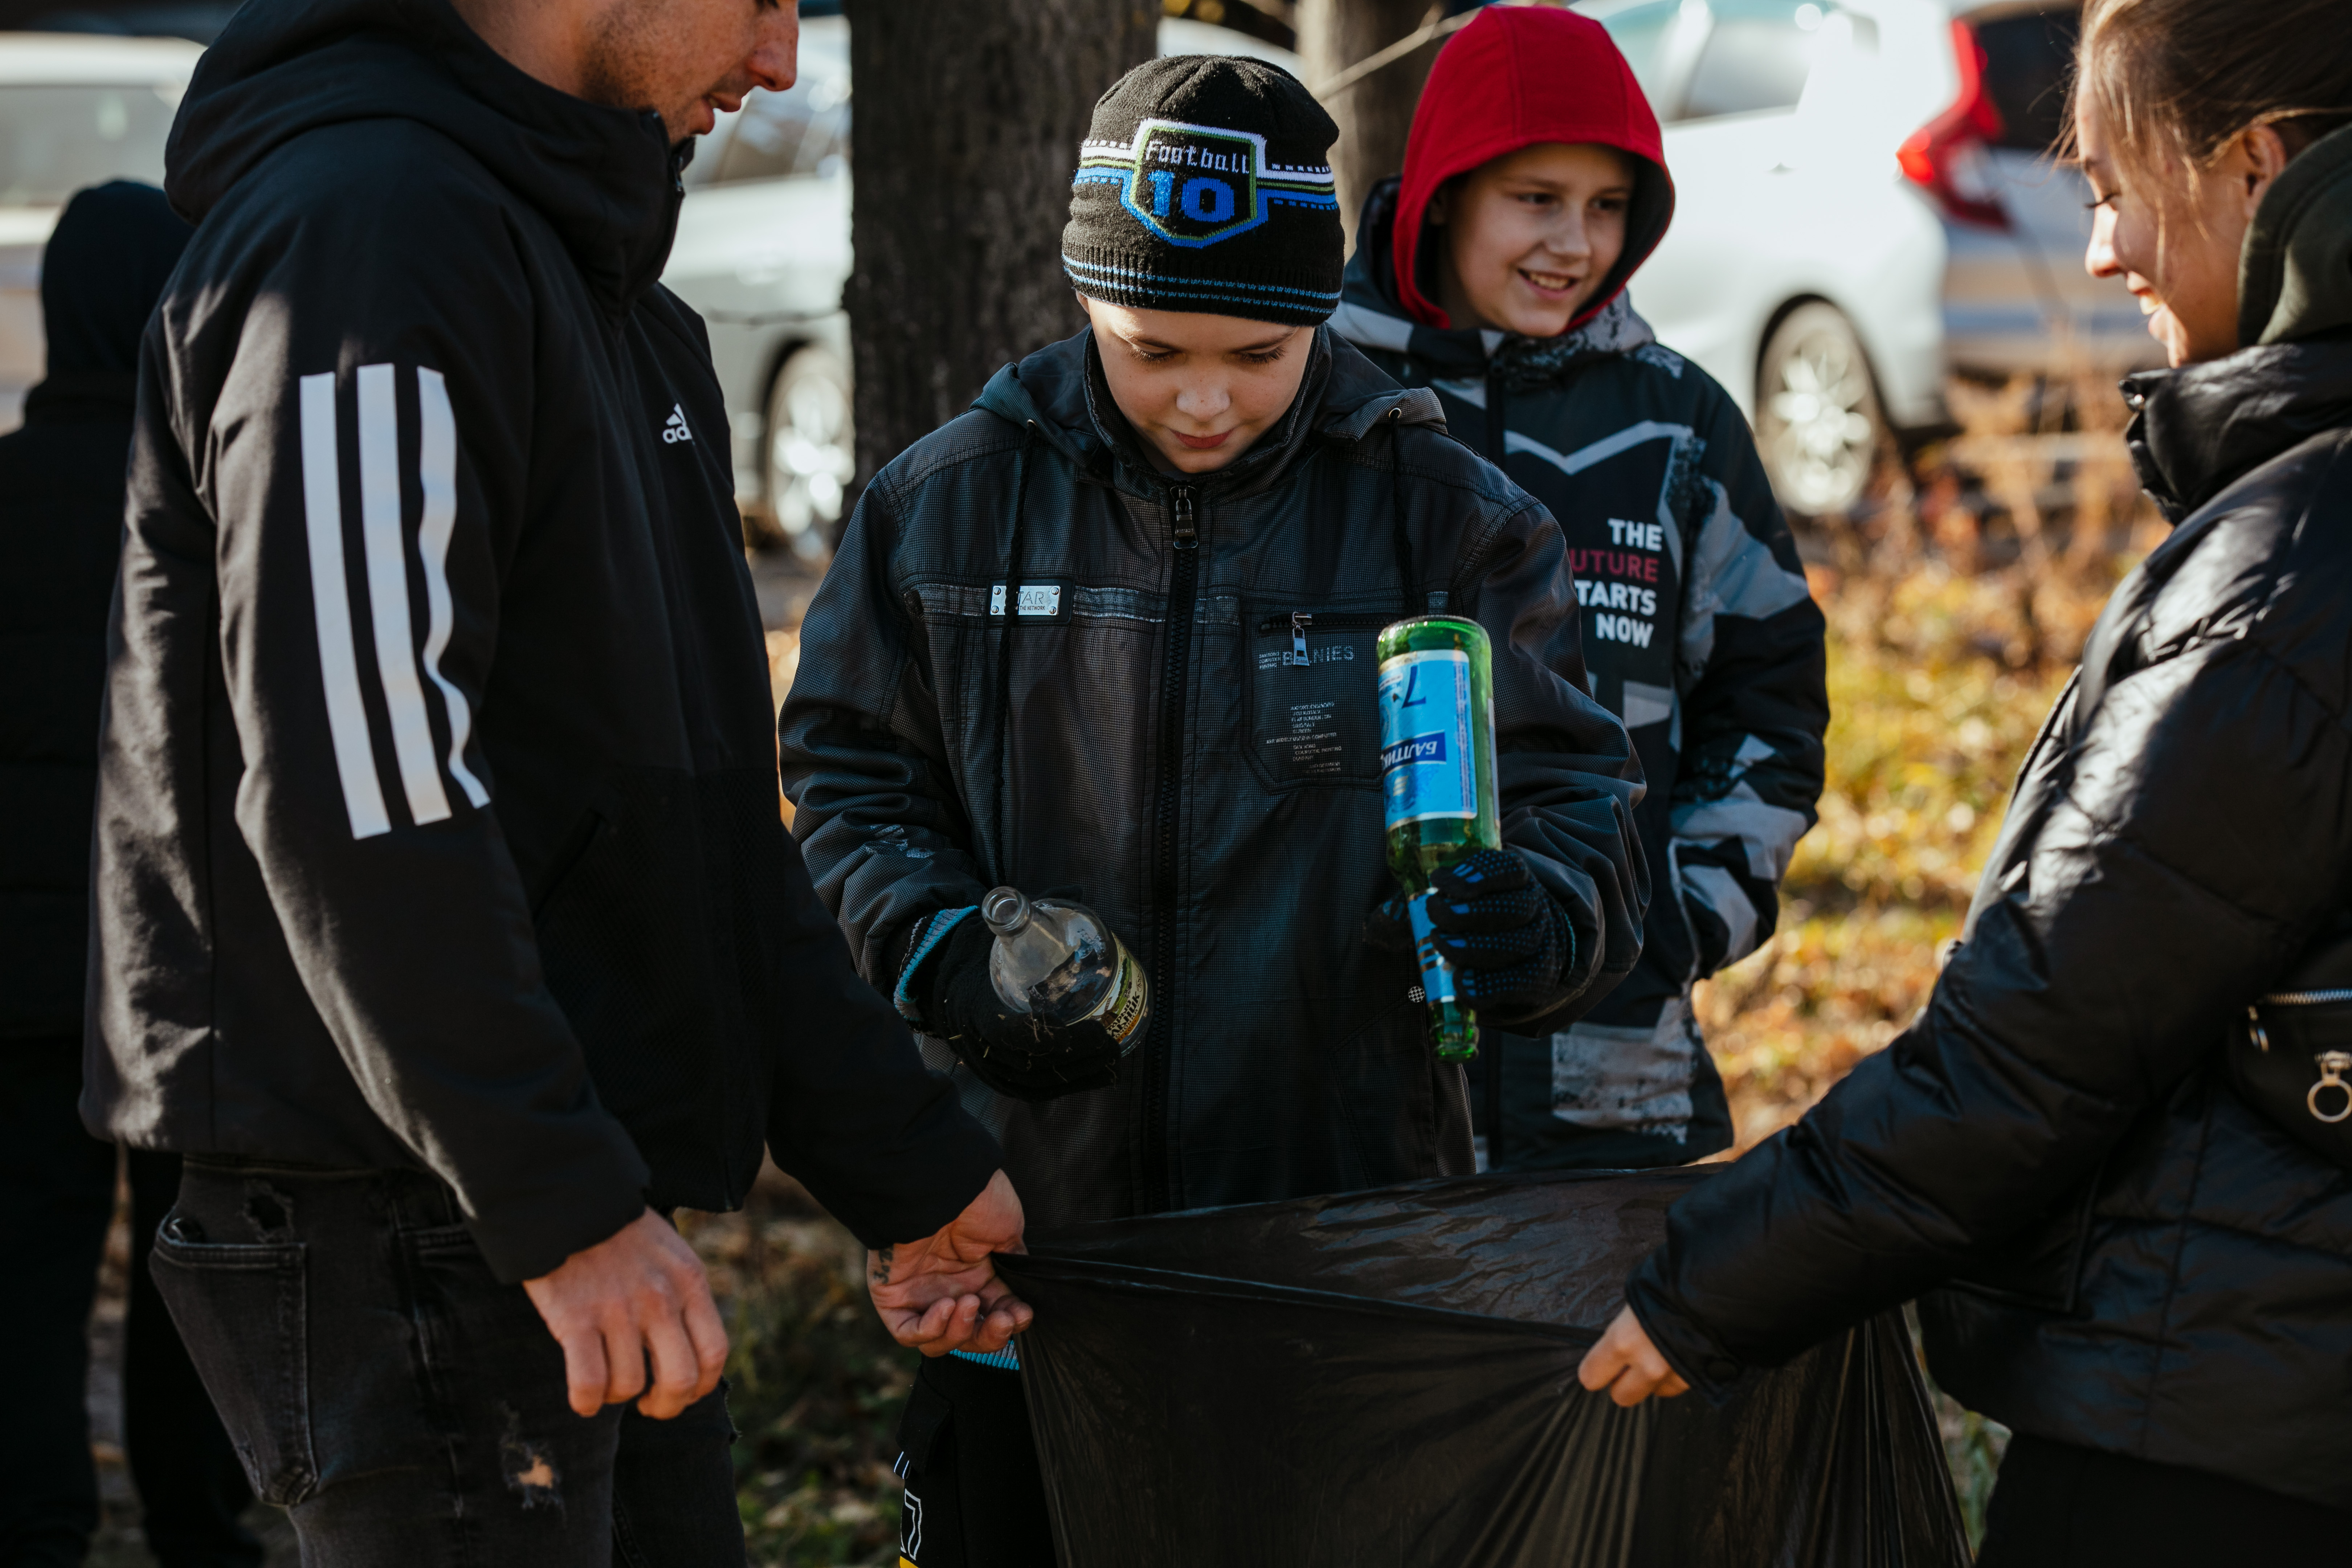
x,y
1516,76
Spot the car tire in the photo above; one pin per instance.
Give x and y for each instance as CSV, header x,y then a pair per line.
x,y
809,449
1818,425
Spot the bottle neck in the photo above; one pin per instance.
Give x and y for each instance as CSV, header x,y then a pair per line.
x,y
1006,911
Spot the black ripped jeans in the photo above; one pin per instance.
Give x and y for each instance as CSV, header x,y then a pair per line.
x,y
407,1409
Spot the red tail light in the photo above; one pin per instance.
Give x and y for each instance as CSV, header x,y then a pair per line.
x,y
1946,156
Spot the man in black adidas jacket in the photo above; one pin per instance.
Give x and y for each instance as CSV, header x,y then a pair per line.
x,y
443,918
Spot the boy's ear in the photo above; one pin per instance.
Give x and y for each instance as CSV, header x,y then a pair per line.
x,y
1440,201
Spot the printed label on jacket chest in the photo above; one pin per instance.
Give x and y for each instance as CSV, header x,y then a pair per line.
x,y
1313,695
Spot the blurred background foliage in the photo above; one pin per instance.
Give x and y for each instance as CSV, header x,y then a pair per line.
x,y
814,1383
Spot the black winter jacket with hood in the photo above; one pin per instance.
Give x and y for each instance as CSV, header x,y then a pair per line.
x,y
1153,742
438,821
61,532
2123,1254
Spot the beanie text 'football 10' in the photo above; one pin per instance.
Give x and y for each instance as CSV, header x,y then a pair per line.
x,y
1205,185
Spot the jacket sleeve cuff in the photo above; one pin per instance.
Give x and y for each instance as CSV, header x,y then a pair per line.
x,y
526,1236
921,942
956,1161
1697,1357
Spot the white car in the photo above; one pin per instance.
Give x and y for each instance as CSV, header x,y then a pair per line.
x,y
762,251
76,110
1868,202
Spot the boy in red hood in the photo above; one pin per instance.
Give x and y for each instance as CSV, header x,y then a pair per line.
x,y
1494,272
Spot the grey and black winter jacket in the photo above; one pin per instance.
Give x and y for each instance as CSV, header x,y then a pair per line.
x,y
2123,1253
438,822
1143,730
1699,633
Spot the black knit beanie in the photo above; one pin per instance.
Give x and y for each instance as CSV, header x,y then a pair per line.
x,y
1205,185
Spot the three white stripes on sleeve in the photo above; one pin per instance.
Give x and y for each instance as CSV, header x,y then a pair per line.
x,y
387,581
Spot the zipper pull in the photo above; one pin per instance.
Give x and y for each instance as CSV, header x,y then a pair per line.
x,y
1298,622
1187,537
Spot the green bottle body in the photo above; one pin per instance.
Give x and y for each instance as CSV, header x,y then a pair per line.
x,y
1437,782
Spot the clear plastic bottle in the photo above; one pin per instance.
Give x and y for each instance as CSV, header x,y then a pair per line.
x,y
1060,962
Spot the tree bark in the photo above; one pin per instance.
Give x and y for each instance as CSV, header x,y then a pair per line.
x,y
1376,112
968,124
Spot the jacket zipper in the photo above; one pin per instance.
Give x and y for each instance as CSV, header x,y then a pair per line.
x,y
1181,577
1326,621
2262,1037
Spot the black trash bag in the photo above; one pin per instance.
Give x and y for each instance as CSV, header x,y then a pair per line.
x,y
1390,1378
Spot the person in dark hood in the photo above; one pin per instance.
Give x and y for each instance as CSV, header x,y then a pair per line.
x,y
60,530
1114,632
1494,272
444,916
2110,1155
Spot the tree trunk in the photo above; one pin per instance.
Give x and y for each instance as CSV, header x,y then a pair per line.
x,y
1376,112
968,123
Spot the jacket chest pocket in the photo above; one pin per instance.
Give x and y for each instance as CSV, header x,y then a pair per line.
x,y
1313,695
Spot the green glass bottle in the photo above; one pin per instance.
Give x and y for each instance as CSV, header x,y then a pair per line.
x,y
1437,785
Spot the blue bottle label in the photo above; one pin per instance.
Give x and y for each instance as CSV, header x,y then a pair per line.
x,y
1426,768
1436,974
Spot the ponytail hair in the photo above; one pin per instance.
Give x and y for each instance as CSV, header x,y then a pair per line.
x,y
2176,81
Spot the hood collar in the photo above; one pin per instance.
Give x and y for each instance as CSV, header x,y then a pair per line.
x,y
1371,313
2198,429
606,178
1060,392
1518,75
2294,273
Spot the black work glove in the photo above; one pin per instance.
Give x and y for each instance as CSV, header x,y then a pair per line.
x,y
1508,943
1013,1053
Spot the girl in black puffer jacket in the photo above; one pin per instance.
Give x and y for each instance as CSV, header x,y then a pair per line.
x,y
2144,1270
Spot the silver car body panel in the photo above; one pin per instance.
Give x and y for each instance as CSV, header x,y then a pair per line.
x,y
1784,205
2021,302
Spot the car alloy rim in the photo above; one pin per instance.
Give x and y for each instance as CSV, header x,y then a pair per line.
x,y
1824,441
810,462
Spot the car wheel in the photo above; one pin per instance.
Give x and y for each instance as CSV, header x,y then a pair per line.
x,y
811,452
1818,427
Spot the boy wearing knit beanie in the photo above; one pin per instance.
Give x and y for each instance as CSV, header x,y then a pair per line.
x,y
1111,635
1494,273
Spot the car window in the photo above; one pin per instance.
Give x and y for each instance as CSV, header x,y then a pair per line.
x,y
805,131
2028,61
1640,32
1756,57
54,140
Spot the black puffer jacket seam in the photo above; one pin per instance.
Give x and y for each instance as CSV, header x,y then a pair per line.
x,y
2172,1284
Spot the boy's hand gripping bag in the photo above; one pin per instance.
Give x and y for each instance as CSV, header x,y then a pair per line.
x,y
1390,1378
